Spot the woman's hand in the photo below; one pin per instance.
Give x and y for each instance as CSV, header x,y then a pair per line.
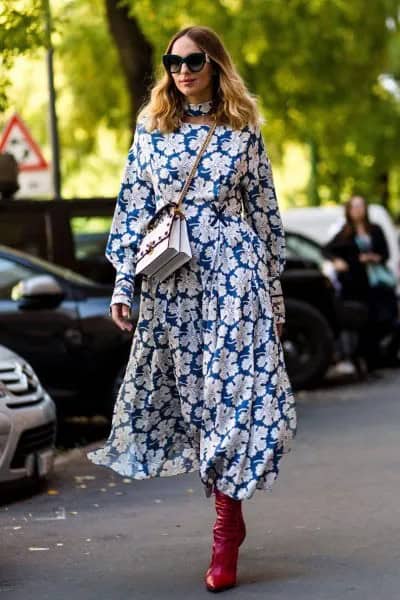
x,y
340,265
370,257
279,327
120,314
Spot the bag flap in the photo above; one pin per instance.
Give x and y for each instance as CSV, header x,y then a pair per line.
x,y
156,235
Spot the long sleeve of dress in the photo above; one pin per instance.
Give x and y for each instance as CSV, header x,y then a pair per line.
x,y
262,214
134,208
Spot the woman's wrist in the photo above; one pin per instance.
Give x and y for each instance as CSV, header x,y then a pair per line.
x,y
118,298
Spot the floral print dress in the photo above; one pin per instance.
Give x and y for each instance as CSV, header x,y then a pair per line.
x,y
206,386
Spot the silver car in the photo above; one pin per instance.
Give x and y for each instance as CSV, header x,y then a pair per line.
x,y
27,421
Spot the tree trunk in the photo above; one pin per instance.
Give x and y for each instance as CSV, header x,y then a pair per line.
x,y
135,52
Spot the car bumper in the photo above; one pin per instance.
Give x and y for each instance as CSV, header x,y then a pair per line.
x,y
27,438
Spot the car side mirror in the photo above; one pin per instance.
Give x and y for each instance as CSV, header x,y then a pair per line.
x,y
38,292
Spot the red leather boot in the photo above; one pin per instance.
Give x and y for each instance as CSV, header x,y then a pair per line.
x,y
241,524
229,532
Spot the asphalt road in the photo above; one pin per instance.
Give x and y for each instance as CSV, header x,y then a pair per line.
x,y
329,530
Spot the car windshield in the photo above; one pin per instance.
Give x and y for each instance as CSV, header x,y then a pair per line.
x,y
44,265
298,246
90,236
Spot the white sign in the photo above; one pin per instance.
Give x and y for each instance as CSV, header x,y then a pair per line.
x,y
35,183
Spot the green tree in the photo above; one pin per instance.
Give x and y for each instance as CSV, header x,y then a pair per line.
x,y
315,66
21,31
92,96
93,103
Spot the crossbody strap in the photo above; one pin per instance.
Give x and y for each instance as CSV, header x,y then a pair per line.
x,y
195,165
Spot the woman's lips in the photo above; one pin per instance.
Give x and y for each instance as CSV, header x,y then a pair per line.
x,y
187,81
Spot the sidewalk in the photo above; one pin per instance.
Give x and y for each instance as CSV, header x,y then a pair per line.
x,y
328,531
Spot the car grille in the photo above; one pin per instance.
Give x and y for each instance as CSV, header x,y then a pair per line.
x,y
33,440
22,385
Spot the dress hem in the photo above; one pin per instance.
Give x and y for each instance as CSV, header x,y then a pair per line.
x,y
126,471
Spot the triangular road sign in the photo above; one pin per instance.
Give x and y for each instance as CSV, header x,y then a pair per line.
x,y
17,140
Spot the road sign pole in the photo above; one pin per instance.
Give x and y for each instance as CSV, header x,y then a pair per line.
x,y
55,145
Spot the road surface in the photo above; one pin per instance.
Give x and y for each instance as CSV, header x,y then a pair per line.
x,y
329,530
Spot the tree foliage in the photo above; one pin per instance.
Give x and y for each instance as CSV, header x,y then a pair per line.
x,y
90,83
315,66
92,100
21,31
318,67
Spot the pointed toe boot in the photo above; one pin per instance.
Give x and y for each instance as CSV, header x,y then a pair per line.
x,y
229,532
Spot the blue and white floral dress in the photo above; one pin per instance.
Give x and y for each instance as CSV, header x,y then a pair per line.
x,y
206,386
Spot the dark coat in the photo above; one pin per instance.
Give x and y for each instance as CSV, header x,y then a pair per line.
x,y
355,285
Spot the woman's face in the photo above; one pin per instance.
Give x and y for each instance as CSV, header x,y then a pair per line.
x,y
357,210
197,87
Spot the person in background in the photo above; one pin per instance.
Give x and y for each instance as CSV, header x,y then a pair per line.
x,y
359,252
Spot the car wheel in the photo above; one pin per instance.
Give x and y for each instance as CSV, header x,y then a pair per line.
x,y
308,344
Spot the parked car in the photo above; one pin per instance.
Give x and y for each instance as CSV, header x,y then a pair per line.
x,y
351,315
73,234
68,233
27,422
58,321
313,311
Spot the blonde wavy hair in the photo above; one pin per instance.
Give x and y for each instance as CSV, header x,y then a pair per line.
x,y
233,104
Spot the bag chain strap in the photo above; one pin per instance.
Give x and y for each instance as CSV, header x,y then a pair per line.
x,y
193,169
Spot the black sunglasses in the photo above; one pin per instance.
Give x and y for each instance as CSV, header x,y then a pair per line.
x,y
195,61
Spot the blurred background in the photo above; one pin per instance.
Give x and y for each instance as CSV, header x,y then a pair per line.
x,y
326,75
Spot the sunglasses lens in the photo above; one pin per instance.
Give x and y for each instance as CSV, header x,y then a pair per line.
x,y
195,61
171,63
174,65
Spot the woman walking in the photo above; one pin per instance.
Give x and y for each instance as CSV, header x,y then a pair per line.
x,y
206,386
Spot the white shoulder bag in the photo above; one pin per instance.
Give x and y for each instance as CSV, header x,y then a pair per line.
x,y
166,246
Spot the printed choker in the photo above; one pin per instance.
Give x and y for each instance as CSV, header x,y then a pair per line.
x,y
197,110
